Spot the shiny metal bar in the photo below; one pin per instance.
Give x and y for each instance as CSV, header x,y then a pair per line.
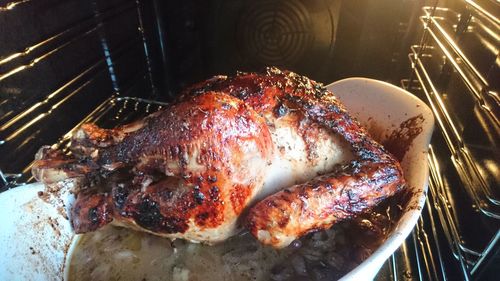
x,y
483,11
11,5
47,106
79,30
453,138
461,63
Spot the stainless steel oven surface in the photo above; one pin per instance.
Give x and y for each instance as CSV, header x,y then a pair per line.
x,y
63,63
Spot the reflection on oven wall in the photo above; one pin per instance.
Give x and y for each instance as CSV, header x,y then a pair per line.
x,y
63,60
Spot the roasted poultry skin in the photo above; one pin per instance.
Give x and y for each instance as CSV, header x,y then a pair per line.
x,y
274,152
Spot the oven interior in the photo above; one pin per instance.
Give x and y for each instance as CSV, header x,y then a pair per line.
x,y
67,62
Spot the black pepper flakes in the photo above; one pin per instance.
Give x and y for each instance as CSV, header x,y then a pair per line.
x,y
212,178
199,197
281,110
93,215
214,193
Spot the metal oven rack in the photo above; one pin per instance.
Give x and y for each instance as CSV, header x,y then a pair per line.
x,y
458,233
112,112
456,237
59,69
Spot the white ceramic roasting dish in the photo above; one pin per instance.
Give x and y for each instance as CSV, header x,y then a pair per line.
x,y
36,240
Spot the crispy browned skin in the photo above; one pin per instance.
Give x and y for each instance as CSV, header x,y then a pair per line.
x,y
350,189
197,164
189,163
318,204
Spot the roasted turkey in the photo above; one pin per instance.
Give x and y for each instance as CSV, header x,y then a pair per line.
x,y
274,152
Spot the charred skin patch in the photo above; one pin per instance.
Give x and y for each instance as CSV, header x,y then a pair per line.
x,y
90,212
200,218
120,194
148,214
209,211
93,216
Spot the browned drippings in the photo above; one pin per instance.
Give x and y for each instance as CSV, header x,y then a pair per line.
x,y
365,233
401,138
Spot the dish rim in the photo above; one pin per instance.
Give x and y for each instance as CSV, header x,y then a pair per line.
x,y
371,266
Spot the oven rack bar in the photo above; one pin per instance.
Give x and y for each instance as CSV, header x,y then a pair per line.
x,y
61,95
11,5
459,151
450,221
477,86
30,57
435,250
481,9
448,206
25,62
477,83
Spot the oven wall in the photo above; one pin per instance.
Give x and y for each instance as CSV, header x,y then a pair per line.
x,y
324,39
